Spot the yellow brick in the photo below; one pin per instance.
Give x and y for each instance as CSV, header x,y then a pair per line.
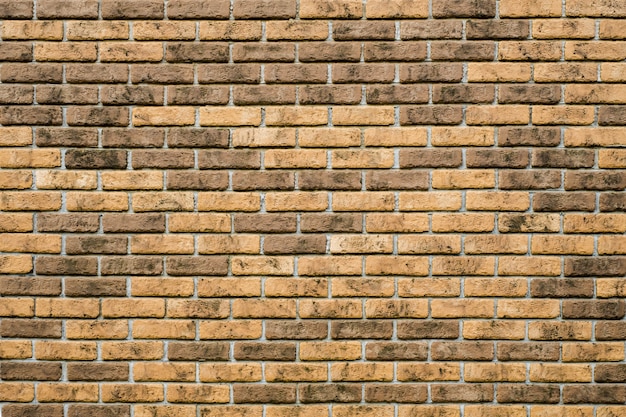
x,y
265,138
497,201
357,201
498,72
530,8
17,307
164,30
565,411
230,116
396,265
44,30
67,392
199,222
429,244
552,372
296,201
528,308
449,179
36,243
355,371
73,351
612,158
596,136
15,349
555,245
610,287
497,115
96,30
96,329
159,329
361,244
29,158
66,180
297,158
16,264
329,265
296,116
464,136
96,201
236,329
329,351
67,307
530,265
489,329
311,137
430,201
131,180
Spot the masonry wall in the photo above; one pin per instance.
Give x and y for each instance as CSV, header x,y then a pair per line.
x,y
377,208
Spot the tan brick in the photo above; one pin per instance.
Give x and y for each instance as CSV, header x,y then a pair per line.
x,y
230,372
17,307
532,8
132,350
553,245
295,372
314,137
379,158
296,116
496,244
131,393
131,51
41,30
66,51
490,372
514,330
29,158
430,201
146,30
298,201
237,30
416,371
564,72
17,391
230,116
333,9
163,116
395,136
16,264
64,180
38,243
240,329
534,265
155,244
380,9
262,265
371,201
220,244
498,72
15,349
330,351
96,201
326,265
593,352
496,287
97,329
354,371
252,137
528,308
396,265
370,115
89,30
429,287
563,115
65,392
549,372
462,308
337,308
68,351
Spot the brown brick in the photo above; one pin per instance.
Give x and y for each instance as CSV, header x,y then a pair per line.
x,y
35,410
523,351
561,288
431,29
276,329
437,115
97,371
559,201
497,29
462,51
25,328
336,393
466,393
372,329
266,394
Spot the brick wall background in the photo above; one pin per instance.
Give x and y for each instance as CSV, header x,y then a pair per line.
x,y
377,208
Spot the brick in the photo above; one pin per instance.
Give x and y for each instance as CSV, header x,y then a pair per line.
x,y
493,29
531,9
51,9
336,9
483,8
337,393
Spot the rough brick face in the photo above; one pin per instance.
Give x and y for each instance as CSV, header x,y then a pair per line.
x,y
338,208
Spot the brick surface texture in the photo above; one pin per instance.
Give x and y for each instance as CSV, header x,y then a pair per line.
x,y
312,208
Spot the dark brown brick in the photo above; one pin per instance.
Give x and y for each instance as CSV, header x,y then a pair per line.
x,y
229,73
229,159
73,94
458,351
329,180
96,73
133,138
611,330
533,94
561,287
264,394
79,222
529,180
95,287
394,351
405,393
264,94
431,115
159,74
197,180
595,180
198,9
304,330
196,265
497,29
264,52
95,159
363,30
22,285
370,329
131,265
79,410
313,222
598,265
294,244
396,180
186,94
329,94
16,94
31,73
529,136
254,180
475,393
265,223
265,351
430,158
136,9
197,138
431,29
561,201
329,51
32,410
26,115
615,373
131,94
81,245
497,158
528,351
563,158
612,115
595,394
196,52
392,94
64,137
522,393
28,328
97,371
594,309
72,9
17,9
613,201
198,351
30,371
428,329
65,265
362,73
394,51
462,51
330,393
97,116
163,159
264,9
142,223
463,8
474,93
296,73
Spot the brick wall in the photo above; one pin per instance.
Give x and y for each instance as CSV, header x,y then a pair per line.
x,y
347,208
